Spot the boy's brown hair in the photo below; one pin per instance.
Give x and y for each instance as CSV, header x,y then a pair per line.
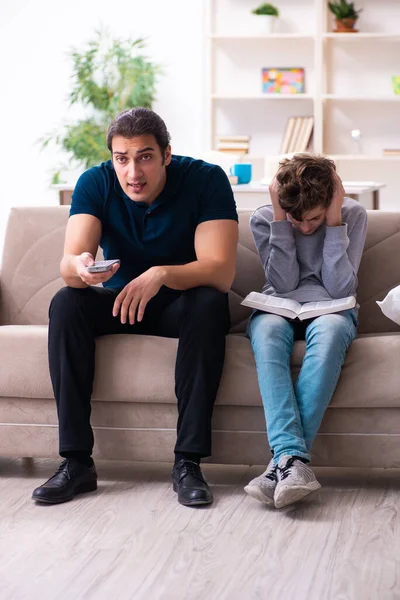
x,y
305,182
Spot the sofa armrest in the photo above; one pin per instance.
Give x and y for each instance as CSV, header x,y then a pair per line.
x,y
1,303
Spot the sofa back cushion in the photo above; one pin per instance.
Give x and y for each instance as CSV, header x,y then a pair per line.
x,y
379,270
30,272
33,247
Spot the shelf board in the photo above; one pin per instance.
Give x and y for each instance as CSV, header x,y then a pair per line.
x,y
271,36
264,97
344,157
363,157
393,98
361,36
351,187
355,157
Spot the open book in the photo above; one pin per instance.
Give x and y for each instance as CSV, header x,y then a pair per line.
x,y
292,309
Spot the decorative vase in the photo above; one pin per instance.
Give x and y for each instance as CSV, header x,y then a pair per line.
x,y
345,26
266,24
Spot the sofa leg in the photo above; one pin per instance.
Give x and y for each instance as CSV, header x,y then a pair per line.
x,y
28,463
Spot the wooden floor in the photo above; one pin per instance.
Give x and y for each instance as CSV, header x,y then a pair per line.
x,y
131,539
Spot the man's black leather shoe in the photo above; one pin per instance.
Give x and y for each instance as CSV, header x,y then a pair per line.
x,y
71,478
190,484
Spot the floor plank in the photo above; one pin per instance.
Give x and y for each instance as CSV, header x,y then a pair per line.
x,y
132,540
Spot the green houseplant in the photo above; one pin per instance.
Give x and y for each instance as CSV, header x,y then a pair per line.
x,y
108,76
266,9
345,14
267,15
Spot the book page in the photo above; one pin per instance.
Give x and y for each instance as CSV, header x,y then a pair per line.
x,y
273,301
328,306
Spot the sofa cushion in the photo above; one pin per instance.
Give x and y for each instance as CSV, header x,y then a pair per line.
x,y
30,273
379,270
131,368
370,376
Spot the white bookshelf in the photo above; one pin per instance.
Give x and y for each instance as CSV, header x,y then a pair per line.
x,y
263,38
347,79
372,98
264,97
364,157
361,36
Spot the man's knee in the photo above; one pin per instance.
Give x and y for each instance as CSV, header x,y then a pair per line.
x,y
207,298
67,301
208,305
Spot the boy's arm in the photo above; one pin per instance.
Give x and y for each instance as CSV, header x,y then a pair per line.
x,y
276,246
342,252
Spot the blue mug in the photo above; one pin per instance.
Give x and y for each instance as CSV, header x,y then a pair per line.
x,y
242,172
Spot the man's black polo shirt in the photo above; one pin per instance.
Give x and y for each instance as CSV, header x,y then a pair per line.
x,y
143,236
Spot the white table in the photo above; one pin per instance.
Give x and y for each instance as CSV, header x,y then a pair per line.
x,y
251,195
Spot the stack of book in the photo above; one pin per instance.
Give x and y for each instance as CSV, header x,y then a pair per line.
x,y
297,135
233,144
391,152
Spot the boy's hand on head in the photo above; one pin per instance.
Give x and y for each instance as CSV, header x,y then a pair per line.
x,y
279,212
334,211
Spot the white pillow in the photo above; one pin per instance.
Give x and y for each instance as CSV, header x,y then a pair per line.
x,y
390,306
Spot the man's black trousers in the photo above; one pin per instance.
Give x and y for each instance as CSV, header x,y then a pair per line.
x,y
199,317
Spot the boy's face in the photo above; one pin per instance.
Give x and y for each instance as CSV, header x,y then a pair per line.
x,y
311,220
140,166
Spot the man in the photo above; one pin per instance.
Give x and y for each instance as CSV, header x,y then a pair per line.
x,y
310,243
172,222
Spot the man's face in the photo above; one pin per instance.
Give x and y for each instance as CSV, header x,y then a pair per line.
x,y
311,220
140,166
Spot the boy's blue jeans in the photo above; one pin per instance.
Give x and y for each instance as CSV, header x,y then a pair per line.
x,y
294,412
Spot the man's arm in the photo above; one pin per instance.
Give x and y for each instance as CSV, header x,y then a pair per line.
x,y
215,245
81,242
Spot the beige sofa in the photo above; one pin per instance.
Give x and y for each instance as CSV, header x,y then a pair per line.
x,y
134,407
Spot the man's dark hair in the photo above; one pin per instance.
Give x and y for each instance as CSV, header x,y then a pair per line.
x,y
139,121
305,182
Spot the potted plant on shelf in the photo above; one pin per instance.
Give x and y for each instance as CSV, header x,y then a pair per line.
x,y
109,75
345,14
267,15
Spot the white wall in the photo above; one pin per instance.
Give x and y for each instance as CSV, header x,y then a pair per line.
x,y
35,38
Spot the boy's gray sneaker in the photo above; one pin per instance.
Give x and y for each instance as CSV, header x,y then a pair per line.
x,y
295,481
262,488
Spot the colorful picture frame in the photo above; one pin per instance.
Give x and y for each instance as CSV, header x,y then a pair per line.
x,y
285,80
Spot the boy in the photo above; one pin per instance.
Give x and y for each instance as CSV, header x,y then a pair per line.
x,y
310,243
